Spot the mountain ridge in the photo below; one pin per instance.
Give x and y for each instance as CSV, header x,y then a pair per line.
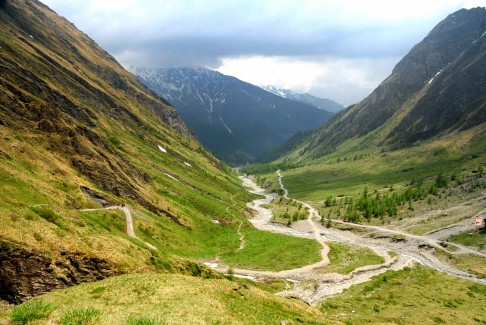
x,y
321,103
409,105
238,121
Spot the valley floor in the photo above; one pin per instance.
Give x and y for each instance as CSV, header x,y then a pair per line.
x,y
393,258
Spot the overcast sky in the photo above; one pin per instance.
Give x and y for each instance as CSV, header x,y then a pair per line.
x,y
339,49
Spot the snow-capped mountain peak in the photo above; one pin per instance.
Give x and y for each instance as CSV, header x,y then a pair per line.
x,y
321,103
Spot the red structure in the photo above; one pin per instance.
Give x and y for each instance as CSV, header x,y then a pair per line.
x,y
480,222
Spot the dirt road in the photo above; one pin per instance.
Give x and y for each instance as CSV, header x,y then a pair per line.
x,y
129,221
408,250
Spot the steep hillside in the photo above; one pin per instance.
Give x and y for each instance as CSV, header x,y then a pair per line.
x,y
237,121
438,87
77,131
321,103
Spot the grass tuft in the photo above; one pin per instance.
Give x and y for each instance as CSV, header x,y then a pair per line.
x,y
141,321
80,316
30,311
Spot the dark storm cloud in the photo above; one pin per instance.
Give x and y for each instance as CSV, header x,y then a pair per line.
x,y
208,51
345,47
195,32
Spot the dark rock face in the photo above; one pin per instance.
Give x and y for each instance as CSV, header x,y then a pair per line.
x,y
26,274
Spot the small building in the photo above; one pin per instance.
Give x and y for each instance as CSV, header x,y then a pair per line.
x,y
480,222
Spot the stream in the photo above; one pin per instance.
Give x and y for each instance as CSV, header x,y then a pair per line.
x,y
328,284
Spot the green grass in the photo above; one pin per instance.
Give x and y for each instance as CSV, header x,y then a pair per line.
x,y
411,296
80,316
142,321
376,170
345,258
273,252
470,263
111,221
30,311
173,299
48,215
470,238
286,211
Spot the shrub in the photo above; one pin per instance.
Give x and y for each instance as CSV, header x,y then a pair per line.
x,y
29,311
230,273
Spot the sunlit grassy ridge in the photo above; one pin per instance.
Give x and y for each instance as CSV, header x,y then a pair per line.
x,y
172,299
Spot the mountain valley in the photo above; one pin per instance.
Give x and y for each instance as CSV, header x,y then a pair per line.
x,y
237,121
116,208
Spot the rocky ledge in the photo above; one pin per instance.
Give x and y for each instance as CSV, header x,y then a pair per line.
x,y
25,274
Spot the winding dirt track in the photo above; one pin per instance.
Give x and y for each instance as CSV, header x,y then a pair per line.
x,y
129,220
428,239
327,284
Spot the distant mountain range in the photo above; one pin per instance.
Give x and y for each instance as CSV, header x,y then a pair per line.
x,y
438,88
238,121
321,103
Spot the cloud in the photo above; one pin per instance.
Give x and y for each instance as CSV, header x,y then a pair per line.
x,y
357,39
217,29
343,80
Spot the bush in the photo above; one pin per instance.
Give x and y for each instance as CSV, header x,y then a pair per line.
x,y
230,274
441,181
29,311
80,316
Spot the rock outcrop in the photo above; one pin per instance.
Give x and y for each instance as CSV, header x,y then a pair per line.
x,y
25,274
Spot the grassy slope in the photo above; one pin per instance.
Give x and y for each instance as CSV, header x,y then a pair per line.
x,y
375,169
411,296
36,168
167,299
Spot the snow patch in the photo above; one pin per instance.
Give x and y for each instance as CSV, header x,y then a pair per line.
x,y
438,73
162,148
216,221
172,177
172,86
187,164
479,37
224,124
